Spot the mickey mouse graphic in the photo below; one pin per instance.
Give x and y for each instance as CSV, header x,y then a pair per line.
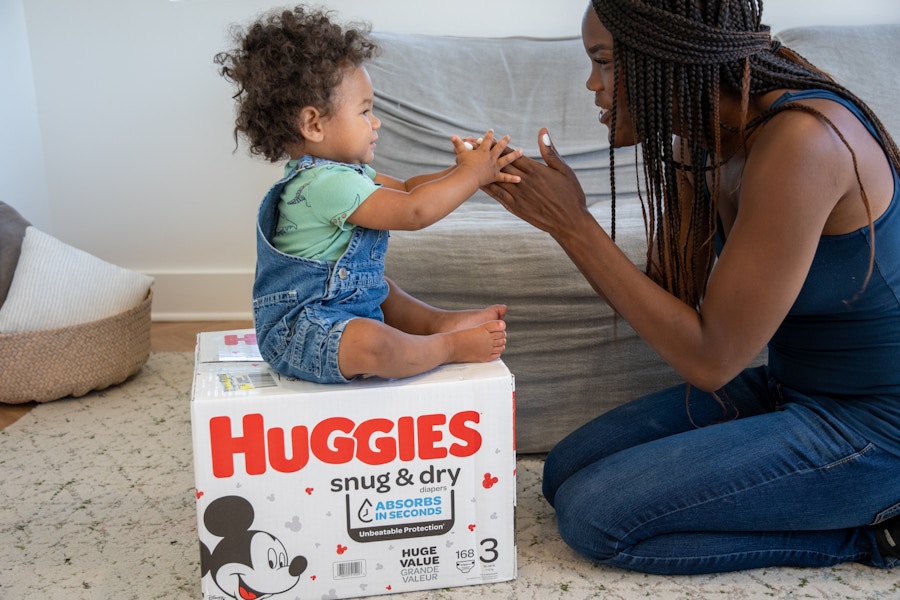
x,y
245,564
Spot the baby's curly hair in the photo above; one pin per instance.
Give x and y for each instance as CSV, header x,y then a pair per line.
x,y
284,62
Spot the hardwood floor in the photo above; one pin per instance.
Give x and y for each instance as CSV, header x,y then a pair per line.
x,y
180,336
165,336
10,413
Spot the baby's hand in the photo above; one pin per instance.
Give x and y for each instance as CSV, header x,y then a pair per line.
x,y
472,143
463,144
487,156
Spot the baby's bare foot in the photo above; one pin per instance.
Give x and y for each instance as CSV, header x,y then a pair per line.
x,y
466,319
482,343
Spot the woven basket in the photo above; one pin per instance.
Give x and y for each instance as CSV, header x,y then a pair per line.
x,y
71,361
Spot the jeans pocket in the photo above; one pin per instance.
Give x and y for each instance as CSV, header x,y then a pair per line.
x,y
288,297
891,511
350,297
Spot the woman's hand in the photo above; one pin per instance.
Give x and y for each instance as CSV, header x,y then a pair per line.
x,y
548,196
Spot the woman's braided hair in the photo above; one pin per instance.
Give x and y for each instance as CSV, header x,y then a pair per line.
x,y
283,62
675,58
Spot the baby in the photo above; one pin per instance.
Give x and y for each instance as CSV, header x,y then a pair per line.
x,y
323,309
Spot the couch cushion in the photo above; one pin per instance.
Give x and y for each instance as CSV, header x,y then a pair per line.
x,y
428,88
572,357
863,58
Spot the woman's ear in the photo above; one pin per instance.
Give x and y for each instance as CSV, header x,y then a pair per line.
x,y
310,122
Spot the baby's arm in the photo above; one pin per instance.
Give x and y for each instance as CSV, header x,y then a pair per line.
x,y
412,182
426,199
459,145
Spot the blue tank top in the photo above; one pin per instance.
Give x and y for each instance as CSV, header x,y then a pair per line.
x,y
837,338
841,344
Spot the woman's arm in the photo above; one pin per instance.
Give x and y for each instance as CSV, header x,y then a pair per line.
x,y
790,185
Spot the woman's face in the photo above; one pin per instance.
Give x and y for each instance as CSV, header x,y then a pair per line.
x,y
598,43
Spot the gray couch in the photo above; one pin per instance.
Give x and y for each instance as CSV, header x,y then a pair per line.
x,y
572,357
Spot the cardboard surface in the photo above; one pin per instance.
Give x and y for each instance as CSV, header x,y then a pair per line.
x,y
336,491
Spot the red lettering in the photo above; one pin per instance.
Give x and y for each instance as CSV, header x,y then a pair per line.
x,y
385,448
429,437
337,450
340,440
223,446
406,434
278,452
460,429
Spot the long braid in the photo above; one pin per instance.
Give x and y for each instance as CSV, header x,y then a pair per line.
x,y
679,55
612,155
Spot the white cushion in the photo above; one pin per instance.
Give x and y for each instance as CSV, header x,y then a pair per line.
x,y
56,285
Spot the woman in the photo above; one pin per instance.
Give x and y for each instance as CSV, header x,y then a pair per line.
x,y
758,162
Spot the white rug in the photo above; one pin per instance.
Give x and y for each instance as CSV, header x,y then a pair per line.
x,y
98,502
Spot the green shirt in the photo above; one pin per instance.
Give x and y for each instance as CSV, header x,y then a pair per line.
x,y
315,205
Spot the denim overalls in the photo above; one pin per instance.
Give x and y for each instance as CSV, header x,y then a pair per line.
x,y
301,305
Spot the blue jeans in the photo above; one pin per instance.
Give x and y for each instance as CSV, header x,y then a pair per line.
x,y
301,305
671,484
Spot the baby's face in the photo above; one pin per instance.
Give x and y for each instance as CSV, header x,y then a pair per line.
x,y
350,131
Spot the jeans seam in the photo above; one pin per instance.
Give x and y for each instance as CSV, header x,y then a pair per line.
x,y
858,454
803,471
856,556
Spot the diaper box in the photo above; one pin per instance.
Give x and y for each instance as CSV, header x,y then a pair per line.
x,y
310,491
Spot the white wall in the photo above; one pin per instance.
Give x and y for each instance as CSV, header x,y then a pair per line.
x,y
121,139
782,14
23,183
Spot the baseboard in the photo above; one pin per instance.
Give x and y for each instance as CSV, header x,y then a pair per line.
x,y
202,296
